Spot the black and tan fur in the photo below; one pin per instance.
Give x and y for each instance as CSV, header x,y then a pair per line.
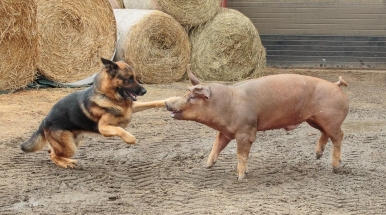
x,y
105,107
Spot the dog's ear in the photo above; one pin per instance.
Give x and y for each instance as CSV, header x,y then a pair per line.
x,y
111,67
200,91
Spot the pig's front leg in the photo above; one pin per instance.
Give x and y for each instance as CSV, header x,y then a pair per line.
x,y
219,144
244,144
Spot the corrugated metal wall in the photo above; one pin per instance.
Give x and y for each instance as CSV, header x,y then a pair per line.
x,y
320,33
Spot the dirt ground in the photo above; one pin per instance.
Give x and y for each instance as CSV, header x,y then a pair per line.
x,y
164,173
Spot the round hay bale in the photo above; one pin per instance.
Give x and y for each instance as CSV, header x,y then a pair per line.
x,y
73,36
18,42
153,43
125,19
187,13
227,48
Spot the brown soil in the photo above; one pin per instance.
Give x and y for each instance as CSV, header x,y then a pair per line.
x,y
164,172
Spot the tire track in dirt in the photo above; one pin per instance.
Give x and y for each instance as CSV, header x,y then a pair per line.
x,y
300,171
300,165
180,179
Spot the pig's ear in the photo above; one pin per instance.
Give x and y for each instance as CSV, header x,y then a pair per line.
x,y
200,91
191,76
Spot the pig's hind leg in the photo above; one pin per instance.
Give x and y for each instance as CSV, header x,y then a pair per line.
x,y
330,129
323,139
336,138
320,146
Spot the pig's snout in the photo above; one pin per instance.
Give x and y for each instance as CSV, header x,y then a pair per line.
x,y
168,106
170,102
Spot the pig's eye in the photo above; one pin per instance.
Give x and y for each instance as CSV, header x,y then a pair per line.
x,y
190,97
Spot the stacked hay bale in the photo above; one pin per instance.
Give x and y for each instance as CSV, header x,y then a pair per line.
x,y
153,43
227,48
187,13
125,20
225,45
18,41
73,36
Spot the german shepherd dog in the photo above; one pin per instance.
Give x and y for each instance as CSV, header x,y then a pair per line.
x,y
105,107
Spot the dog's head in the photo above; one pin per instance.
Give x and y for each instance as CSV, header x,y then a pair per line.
x,y
120,81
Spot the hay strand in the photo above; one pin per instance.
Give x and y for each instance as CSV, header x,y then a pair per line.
x,y
187,13
18,42
154,44
226,48
73,36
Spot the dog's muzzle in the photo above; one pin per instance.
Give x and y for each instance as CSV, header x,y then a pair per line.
x,y
142,92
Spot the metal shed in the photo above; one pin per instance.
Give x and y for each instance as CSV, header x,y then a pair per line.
x,y
319,33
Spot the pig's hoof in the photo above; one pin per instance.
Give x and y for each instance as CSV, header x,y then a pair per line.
x,y
342,170
241,177
210,165
338,169
319,155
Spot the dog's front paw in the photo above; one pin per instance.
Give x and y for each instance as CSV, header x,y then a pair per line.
x,y
171,99
129,138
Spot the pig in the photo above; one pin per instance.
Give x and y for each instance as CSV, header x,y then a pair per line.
x,y
240,110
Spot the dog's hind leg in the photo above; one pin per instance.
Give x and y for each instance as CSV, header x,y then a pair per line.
x,y
62,147
219,144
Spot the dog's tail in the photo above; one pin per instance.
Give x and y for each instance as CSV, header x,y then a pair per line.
x,y
36,142
341,82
